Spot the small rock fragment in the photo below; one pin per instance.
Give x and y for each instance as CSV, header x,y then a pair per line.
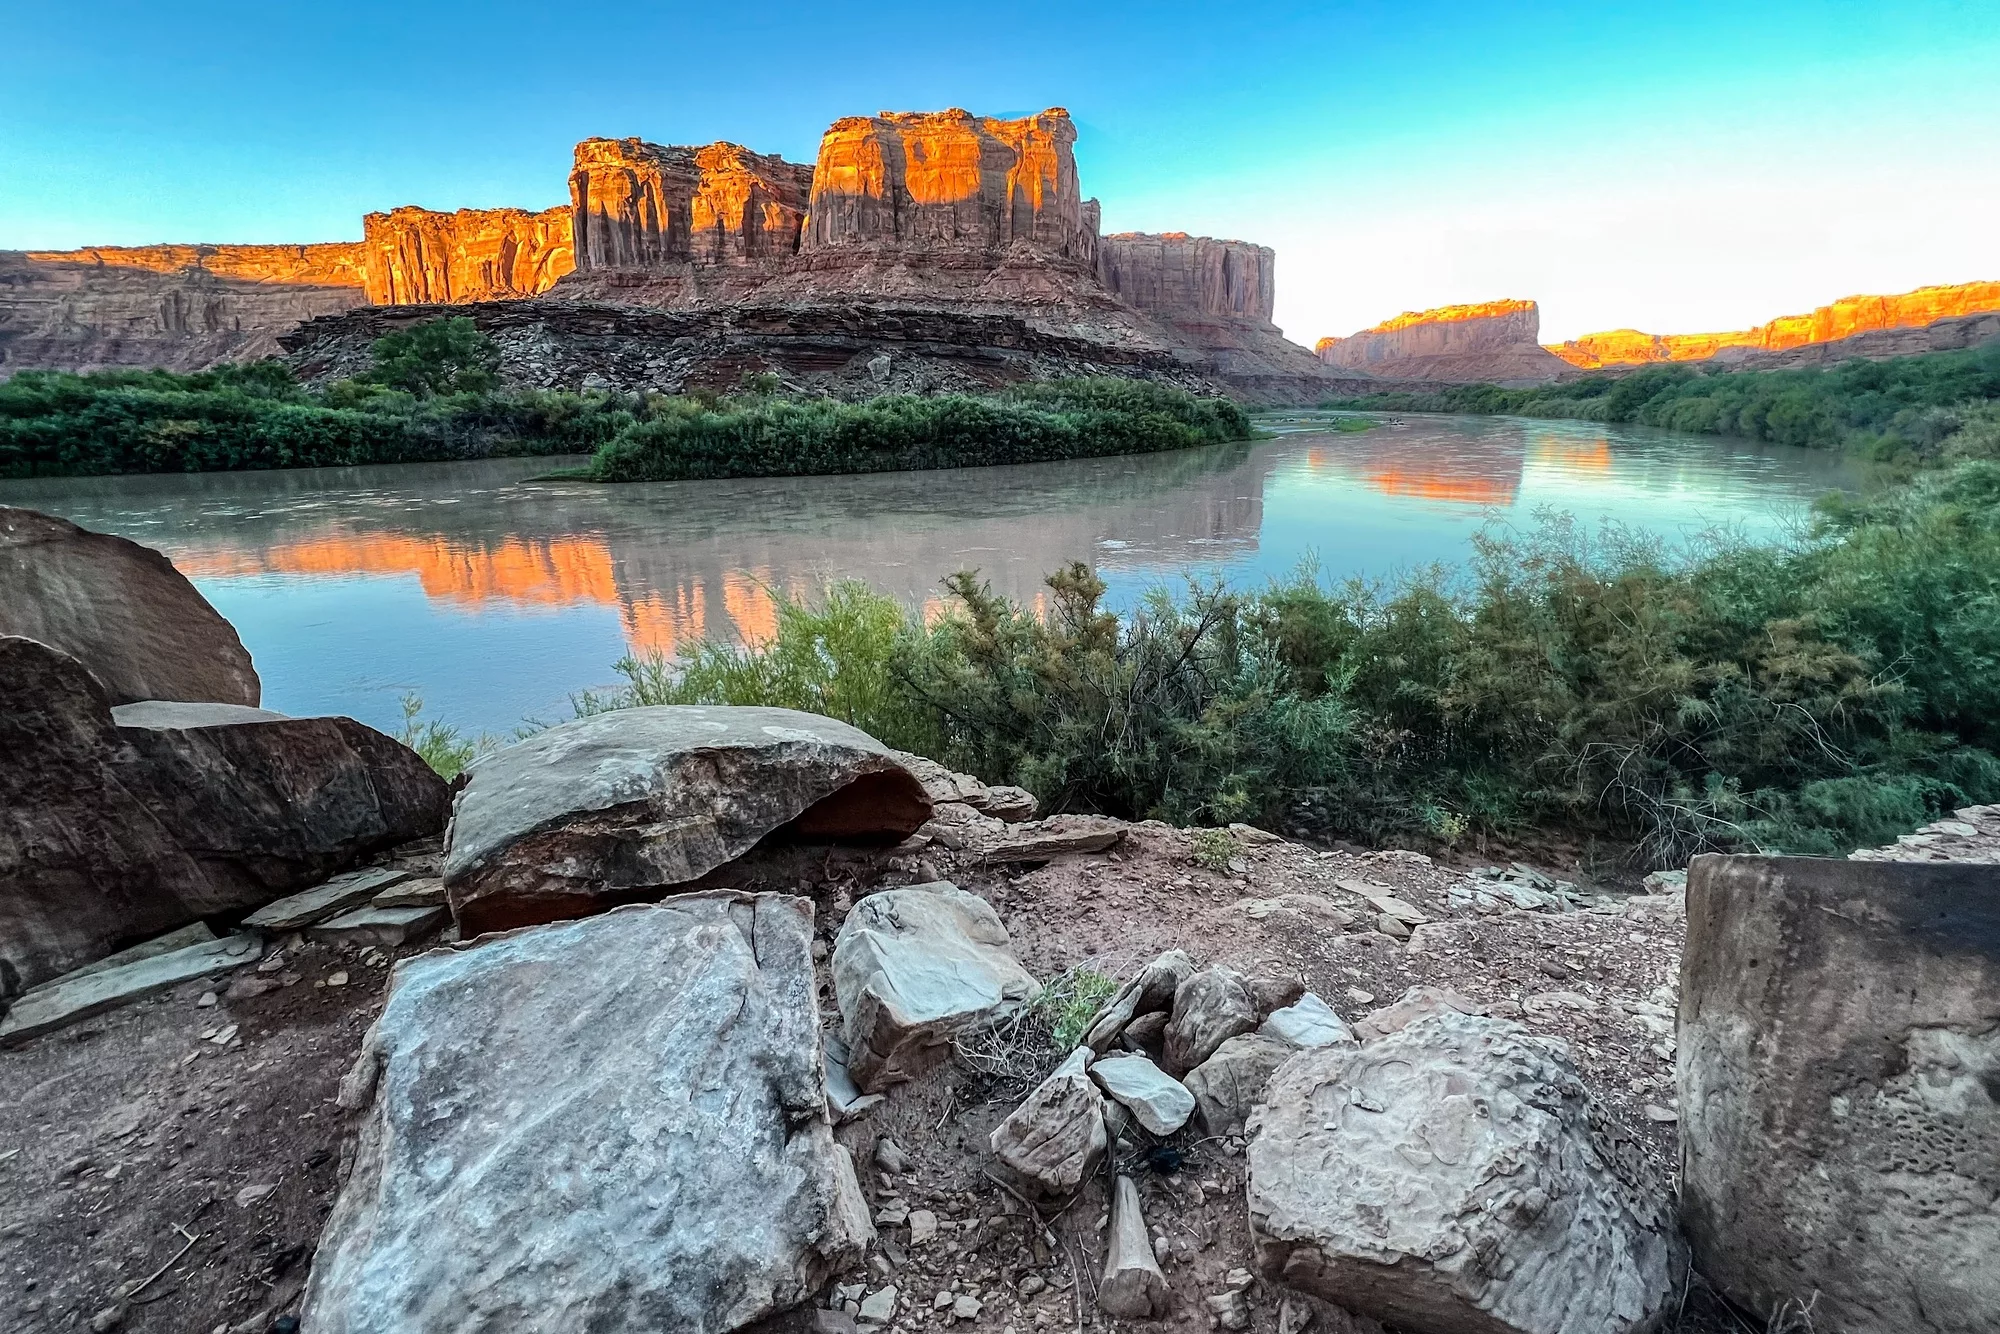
x,y
249,1195
1160,1102
923,1226
879,1306
1133,1286
1308,1022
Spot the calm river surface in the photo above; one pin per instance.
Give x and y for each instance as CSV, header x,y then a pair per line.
x,y
494,597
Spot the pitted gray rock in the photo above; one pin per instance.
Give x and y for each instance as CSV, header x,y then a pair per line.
x,y
1455,1177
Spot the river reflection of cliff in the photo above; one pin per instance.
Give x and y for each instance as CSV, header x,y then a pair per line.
x,y
684,561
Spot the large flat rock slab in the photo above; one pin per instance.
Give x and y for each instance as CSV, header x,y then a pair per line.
x,y
913,966
630,805
617,1123
1838,1072
1456,1178
67,1000
118,833
297,911
121,609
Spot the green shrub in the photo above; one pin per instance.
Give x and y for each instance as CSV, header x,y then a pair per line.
x,y
1907,406
1812,697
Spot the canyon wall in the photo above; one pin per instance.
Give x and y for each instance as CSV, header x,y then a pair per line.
x,y
1178,276
415,256
182,307
637,205
950,180
1838,320
1486,341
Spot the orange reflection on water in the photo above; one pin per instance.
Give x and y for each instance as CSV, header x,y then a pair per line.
x,y
562,571
1461,488
1572,455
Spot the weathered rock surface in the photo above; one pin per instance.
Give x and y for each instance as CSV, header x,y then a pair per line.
x,y
1132,1286
1059,835
69,999
1492,340
950,180
119,832
1849,320
1151,988
121,609
1414,1004
372,925
1182,277
1232,1081
1011,805
297,911
630,805
1456,1178
913,966
1210,1007
415,256
1056,1136
1160,1102
674,1169
643,206
1307,1022
183,307
826,345
1839,1089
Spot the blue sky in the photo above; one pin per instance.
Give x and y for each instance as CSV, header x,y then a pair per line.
x,y
1674,167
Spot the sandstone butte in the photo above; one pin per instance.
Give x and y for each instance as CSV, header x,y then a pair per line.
x,y
939,209
1841,319
1488,340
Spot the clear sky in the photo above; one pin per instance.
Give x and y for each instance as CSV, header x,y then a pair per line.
x,y
1676,167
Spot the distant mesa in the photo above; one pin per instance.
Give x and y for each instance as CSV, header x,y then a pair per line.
x,y
967,222
1490,341
1863,326
1496,341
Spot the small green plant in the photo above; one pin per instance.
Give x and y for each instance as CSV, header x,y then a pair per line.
x,y
1070,1002
444,747
1213,848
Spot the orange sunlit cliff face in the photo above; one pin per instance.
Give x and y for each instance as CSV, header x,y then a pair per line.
x,y
1841,319
415,256
1487,340
555,572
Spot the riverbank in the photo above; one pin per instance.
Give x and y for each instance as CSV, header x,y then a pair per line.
x,y
1939,406
432,395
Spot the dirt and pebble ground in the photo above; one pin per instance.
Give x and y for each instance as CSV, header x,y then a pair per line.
x,y
124,1137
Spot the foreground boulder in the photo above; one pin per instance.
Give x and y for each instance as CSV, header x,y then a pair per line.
x,y
1455,1178
612,1124
1229,1084
124,823
911,967
633,804
121,609
1839,1081
1210,1007
1056,1136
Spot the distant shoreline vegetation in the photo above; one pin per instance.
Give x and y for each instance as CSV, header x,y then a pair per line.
x,y
432,395
1905,408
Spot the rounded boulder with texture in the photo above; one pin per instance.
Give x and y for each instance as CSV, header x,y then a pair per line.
x,y
631,804
913,966
120,609
1456,1178
612,1124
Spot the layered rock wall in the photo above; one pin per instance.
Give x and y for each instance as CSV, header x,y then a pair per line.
x,y
950,180
1490,340
1839,320
1177,276
182,307
414,256
637,205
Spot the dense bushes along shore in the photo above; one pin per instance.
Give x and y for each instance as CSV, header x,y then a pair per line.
x,y
1809,698
1931,407
431,395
